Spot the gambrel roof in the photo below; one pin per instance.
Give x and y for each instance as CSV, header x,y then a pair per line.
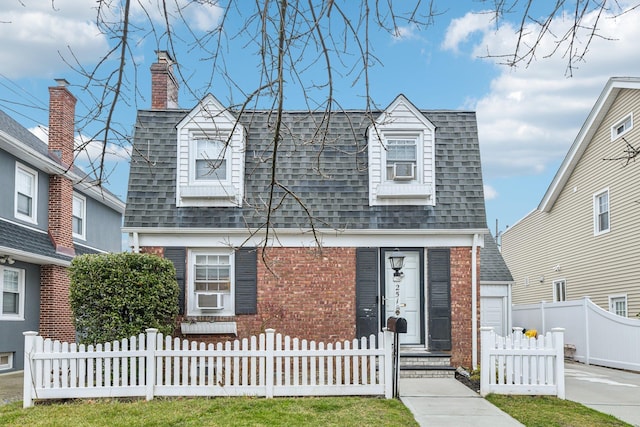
x,y
326,170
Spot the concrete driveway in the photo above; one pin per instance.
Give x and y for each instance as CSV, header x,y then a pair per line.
x,y
606,390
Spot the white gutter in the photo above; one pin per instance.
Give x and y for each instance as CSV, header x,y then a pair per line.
x,y
474,302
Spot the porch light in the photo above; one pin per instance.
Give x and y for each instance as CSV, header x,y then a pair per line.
x,y
397,262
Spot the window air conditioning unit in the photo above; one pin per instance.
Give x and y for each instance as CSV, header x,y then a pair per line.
x,y
209,301
404,171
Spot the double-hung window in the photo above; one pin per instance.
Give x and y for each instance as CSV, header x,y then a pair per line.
x,y
211,284
601,219
79,215
210,160
402,158
12,297
559,290
26,195
618,305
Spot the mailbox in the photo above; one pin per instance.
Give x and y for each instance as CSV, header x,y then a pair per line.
x,y
397,325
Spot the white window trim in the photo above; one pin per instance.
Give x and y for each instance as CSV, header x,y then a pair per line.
x,y
614,129
9,364
417,136
190,294
21,293
83,200
612,298
596,230
34,208
223,137
555,293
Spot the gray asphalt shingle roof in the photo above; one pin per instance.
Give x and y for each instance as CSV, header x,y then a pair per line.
x,y
331,178
19,132
492,265
27,240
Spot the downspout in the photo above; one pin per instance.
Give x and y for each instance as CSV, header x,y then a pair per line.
x,y
474,302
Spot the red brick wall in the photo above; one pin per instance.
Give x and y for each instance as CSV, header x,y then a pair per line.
x,y
55,311
61,214
305,293
461,303
302,293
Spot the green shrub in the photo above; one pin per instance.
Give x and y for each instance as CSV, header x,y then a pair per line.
x,y
115,296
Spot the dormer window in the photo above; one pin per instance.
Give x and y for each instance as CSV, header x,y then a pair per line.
x,y
402,159
210,163
401,145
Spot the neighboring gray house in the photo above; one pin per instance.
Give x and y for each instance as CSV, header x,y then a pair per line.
x,y
495,288
350,189
48,214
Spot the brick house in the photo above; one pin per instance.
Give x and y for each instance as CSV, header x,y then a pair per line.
x,y
349,190
49,214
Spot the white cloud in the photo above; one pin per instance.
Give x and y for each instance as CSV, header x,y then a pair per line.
x,y
200,16
531,115
490,193
35,33
461,29
90,151
407,32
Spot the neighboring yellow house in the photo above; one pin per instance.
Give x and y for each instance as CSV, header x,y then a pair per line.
x,y
583,239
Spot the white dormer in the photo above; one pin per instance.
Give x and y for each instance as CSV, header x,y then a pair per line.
x,y
210,157
401,157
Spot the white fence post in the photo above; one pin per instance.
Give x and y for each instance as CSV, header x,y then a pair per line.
x,y
487,342
269,359
586,331
388,363
150,364
558,344
28,389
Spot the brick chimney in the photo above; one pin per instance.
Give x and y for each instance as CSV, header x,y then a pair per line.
x,y
62,106
56,320
164,86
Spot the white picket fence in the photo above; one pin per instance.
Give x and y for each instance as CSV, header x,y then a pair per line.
x,y
517,364
154,365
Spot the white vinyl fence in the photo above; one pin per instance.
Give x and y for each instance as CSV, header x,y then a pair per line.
x,y
517,364
153,365
599,337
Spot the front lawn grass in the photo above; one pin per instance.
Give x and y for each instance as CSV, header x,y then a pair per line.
x,y
546,411
232,411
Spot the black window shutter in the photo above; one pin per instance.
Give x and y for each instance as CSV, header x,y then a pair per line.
x,y
246,272
178,256
439,289
366,291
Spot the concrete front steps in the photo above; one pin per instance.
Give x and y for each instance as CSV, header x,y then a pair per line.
x,y
421,363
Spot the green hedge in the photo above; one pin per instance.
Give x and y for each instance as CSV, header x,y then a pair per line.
x,y
115,296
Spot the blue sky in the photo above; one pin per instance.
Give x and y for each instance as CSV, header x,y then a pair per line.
x,y
527,116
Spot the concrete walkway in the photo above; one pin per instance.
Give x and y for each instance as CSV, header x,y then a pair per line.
x,y
447,402
611,391
10,387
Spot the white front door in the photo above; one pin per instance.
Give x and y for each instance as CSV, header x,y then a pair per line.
x,y
408,304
